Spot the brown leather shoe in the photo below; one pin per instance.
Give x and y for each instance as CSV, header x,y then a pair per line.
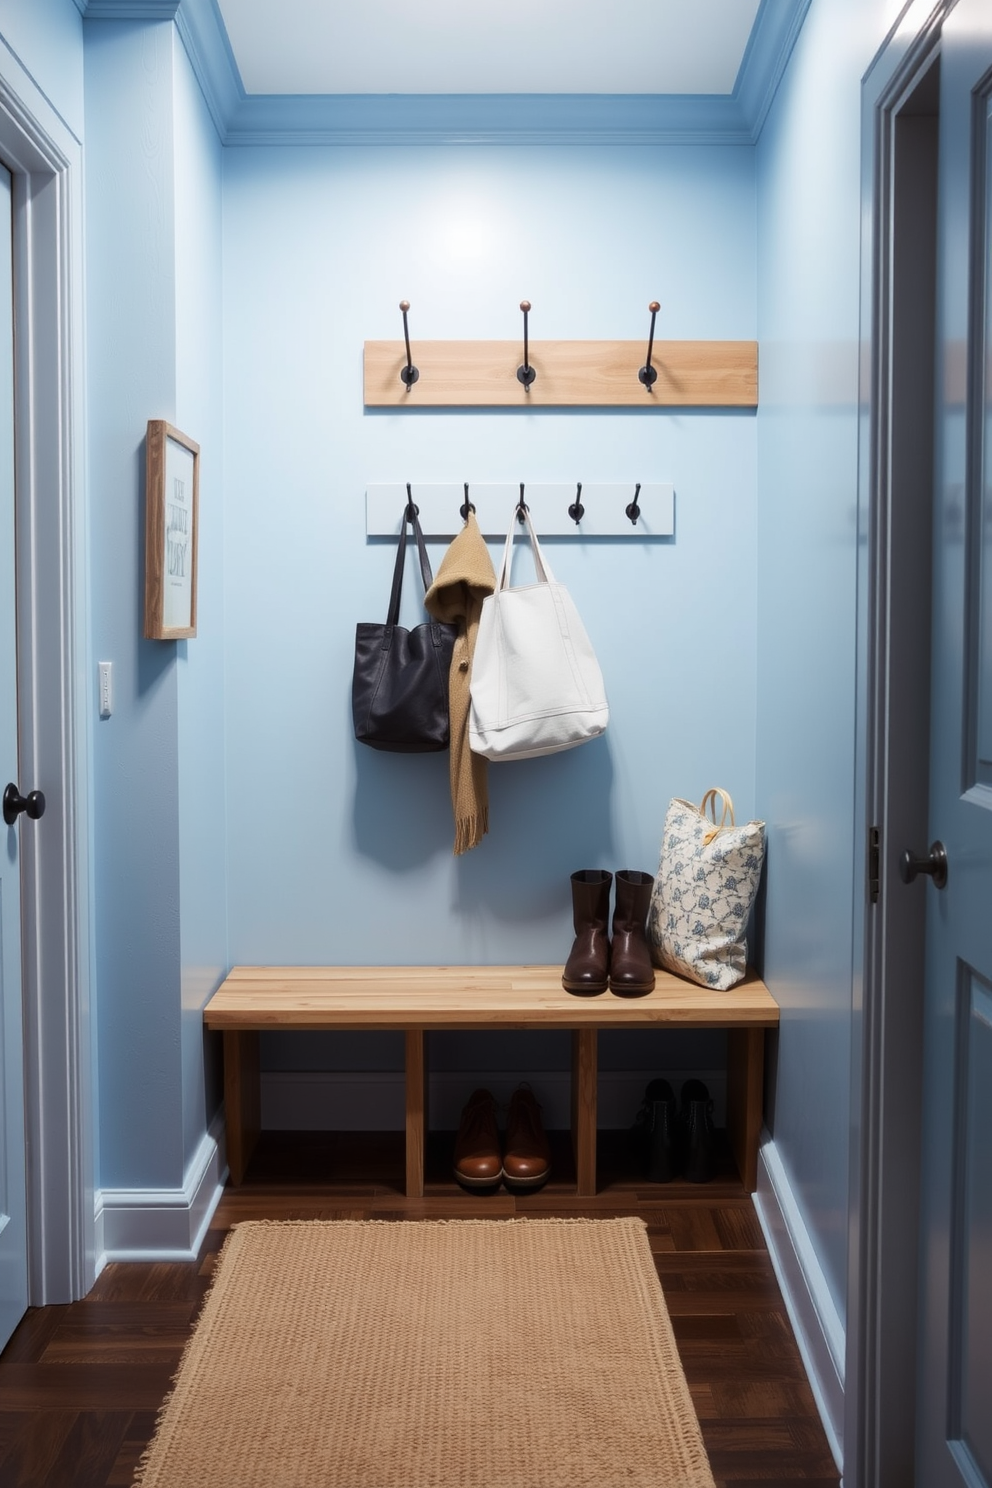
x,y
587,968
478,1163
527,1156
631,972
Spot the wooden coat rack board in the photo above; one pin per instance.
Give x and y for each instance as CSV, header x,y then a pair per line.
x,y
591,374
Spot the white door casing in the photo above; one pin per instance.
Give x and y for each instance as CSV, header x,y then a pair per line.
x,y
44,159
13,1195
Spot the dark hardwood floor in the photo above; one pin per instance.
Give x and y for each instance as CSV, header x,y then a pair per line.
x,y
80,1385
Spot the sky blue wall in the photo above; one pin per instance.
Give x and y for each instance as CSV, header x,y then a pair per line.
x,y
809,222
228,780
235,818
338,853
200,662
131,350
153,234
335,853
46,35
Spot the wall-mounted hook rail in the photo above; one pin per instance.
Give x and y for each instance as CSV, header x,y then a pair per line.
x,y
408,374
648,375
604,513
569,374
577,511
526,373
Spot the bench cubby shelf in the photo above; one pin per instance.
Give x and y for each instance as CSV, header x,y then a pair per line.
x,y
417,999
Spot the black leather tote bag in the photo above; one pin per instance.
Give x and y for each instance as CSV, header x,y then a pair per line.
x,y
399,690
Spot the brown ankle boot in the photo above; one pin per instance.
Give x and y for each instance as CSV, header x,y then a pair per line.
x,y
631,972
588,965
527,1156
478,1159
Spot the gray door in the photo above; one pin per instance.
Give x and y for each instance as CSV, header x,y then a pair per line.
x,y
954,1415
13,1207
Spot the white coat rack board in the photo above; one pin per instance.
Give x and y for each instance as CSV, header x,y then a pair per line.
x,y
604,509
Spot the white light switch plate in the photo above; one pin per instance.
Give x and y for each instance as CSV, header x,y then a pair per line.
x,y
106,689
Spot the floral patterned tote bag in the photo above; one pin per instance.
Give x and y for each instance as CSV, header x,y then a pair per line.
x,y
704,890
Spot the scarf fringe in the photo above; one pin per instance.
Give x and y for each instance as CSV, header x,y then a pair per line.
x,y
470,830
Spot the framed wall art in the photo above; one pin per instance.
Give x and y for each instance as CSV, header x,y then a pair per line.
x,y
172,500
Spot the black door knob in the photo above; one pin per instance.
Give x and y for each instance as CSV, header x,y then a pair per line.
x,y
14,803
935,864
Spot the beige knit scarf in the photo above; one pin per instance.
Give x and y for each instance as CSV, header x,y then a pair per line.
x,y
465,577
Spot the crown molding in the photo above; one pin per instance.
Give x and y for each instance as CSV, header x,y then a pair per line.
x,y
203,33
490,118
128,10
776,28
482,118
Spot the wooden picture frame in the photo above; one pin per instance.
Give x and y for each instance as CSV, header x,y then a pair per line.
x,y
172,519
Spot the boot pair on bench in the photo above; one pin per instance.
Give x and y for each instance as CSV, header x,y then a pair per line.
x,y
595,962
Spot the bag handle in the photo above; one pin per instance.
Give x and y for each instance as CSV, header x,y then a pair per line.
x,y
544,574
710,801
409,515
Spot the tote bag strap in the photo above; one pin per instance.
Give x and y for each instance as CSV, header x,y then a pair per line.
x,y
544,574
409,515
710,800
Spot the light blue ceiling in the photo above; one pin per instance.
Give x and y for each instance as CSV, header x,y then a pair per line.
x,y
515,46
622,113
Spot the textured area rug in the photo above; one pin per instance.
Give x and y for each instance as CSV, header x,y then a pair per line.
x,y
458,1354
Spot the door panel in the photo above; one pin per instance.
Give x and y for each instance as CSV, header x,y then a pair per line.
x,y
954,1419
982,681
971,1225
13,1209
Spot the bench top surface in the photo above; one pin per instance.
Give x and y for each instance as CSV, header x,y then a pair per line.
x,y
259,997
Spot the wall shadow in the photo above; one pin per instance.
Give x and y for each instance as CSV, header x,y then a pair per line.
x,y
401,813
548,817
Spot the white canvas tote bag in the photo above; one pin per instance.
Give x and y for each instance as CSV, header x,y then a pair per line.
x,y
704,890
536,687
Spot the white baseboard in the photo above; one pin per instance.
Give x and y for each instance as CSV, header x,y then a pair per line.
x,y
335,1100
163,1224
815,1320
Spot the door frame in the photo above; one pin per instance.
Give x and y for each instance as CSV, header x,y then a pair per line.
x,y
893,754
44,158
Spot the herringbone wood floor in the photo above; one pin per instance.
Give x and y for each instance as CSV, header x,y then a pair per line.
x,y
80,1385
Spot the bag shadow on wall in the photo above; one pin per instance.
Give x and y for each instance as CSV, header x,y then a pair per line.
x,y
401,813
547,817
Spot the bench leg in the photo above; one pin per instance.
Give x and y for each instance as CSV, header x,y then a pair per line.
x,y
416,1111
745,1099
584,1073
242,1099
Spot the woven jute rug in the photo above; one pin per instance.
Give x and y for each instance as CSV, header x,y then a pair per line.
x,y
458,1354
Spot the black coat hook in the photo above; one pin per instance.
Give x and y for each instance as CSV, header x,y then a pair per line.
x,y
577,511
522,507
466,506
526,373
648,375
409,373
633,511
412,510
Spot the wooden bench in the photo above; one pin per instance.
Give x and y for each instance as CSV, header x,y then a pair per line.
x,y
416,999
